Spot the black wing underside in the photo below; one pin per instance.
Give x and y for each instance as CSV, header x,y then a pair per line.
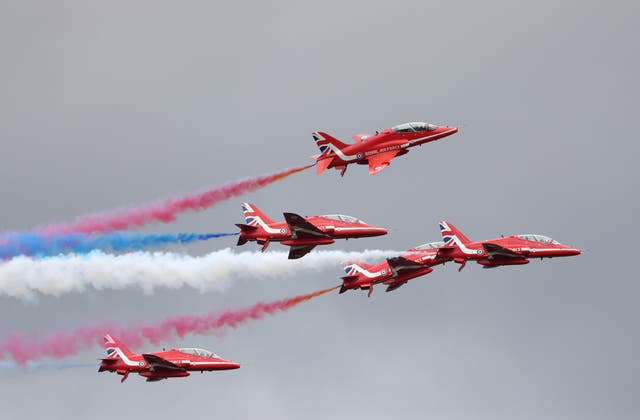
x,y
498,252
158,364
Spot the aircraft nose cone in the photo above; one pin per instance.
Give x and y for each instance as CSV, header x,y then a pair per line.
x,y
380,231
368,231
230,364
567,251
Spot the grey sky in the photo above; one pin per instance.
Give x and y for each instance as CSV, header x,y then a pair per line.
x,y
109,104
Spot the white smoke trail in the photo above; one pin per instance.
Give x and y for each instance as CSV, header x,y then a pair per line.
x,y
24,277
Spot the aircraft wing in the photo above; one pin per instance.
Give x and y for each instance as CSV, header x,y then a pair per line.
x,y
497,251
380,161
157,363
393,286
301,229
397,264
296,252
323,164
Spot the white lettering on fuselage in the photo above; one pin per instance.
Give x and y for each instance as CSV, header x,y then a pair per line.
x,y
381,150
358,156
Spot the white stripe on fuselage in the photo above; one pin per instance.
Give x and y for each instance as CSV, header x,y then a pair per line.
x,y
463,248
350,228
208,363
514,249
125,359
269,229
264,225
251,212
368,273
348,158
337,151
542,249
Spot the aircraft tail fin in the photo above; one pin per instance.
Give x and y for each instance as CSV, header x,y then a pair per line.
x,y
352,272
115,348
451,236
353,269
326,143
254,216
357,275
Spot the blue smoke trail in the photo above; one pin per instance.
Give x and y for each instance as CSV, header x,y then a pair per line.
x,y
43,245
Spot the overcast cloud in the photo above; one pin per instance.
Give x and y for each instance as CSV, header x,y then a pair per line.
x,y
105,104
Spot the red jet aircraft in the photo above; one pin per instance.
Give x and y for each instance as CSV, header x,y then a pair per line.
x,y
172,363
394,272
301,234
510,250
376,150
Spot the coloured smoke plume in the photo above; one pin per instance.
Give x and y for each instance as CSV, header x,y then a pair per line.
x,y
167,210
42,245
6,366
26,277
24,348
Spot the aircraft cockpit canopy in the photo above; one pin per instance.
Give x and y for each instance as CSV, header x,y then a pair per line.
x,y
413,127
538,238
199,352
430,245
343,218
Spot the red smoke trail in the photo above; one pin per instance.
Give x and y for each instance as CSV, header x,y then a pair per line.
x,y
58,345
166,211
